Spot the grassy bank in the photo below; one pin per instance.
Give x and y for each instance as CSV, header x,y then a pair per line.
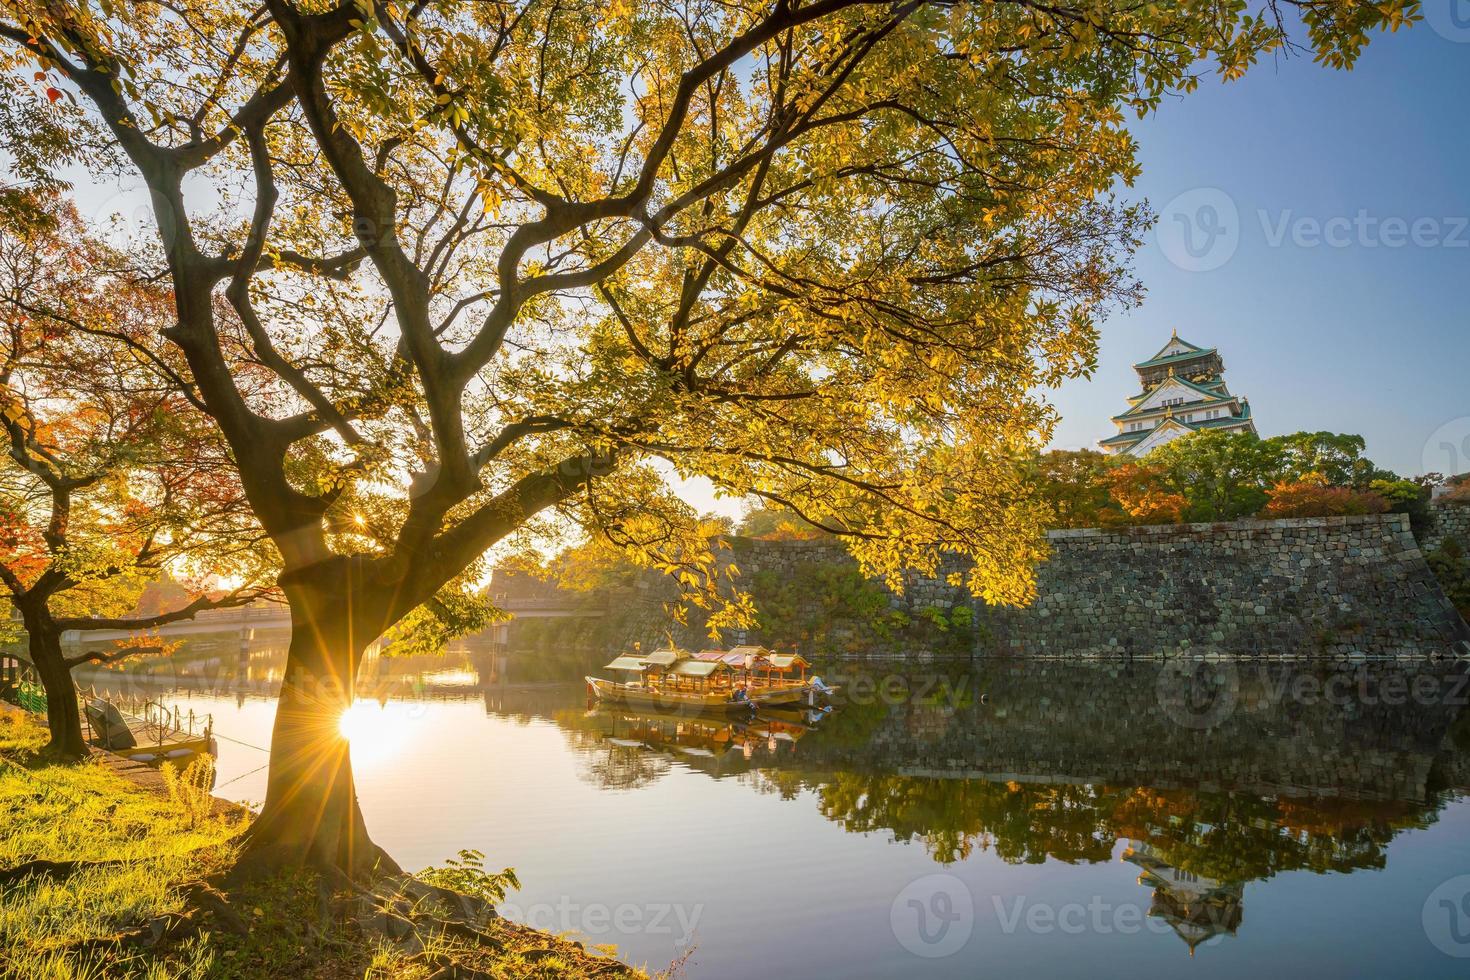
x,y
126,896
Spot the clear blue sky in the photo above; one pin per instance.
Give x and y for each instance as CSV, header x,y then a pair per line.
x,y
1364,338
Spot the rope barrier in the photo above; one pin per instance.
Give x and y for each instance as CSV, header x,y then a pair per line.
x,y
219,786
238,742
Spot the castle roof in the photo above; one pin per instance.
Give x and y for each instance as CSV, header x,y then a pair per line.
x,y
1189,353
1126,439
1215,394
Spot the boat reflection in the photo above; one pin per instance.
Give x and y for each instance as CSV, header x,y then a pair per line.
x,y
715,745
1203,782
1090,764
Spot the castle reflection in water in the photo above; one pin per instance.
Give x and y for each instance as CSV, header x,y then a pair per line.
x,y
1205,776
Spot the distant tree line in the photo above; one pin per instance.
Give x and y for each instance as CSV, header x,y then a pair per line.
x,y
1226,476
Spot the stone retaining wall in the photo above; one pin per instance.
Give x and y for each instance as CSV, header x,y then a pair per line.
x,y
1308,587
1304,587
1451,520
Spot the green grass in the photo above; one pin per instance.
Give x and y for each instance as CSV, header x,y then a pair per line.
x,y
144,850
140,845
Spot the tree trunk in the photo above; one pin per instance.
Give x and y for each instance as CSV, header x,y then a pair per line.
x,y
63,715
311,815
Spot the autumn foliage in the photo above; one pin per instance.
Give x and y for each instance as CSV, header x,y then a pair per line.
x,y
1315,498
1214,476
1143,497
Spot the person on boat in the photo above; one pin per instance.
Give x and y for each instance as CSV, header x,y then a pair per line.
x,y
740,694
818,684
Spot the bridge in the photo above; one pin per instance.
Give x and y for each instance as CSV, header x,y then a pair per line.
x,y
272,616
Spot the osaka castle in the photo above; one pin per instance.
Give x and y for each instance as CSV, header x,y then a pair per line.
x,y
1183,391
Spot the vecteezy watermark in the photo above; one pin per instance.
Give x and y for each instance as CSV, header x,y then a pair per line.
x,y
595,920
1446,917
1447,450
1202,694
933,916
1364,688
946,690
1363,230
1099,916
1199,230
1449,18
1197,693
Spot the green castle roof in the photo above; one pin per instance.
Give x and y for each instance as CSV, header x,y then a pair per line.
x,y
1193,353
1125,438
1215,394
1225,421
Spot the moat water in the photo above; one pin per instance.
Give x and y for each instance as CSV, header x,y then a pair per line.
x,y
996,819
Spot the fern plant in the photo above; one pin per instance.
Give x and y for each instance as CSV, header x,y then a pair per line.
x,y
190,789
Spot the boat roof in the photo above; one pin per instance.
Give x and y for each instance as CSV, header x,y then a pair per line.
x,y
729,657
751,651
697,668
785,661
665,657
626,662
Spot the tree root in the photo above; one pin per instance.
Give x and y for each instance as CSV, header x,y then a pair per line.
x,y
206,898
260,861
46,869
451,969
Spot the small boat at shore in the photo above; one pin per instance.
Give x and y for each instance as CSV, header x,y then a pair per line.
x,y
736,681
145,731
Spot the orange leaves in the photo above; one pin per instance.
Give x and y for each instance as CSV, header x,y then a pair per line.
x,y
1311,496
1140,491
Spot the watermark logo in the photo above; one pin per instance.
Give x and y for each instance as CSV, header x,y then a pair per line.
x,y
1363,230
1447,450
1198,694
933,916
1199,230
597,921
1450,19
1446,917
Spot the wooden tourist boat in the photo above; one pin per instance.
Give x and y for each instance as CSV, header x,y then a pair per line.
x,y
672,680
729,681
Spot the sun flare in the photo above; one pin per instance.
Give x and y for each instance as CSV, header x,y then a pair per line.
x,y
367,730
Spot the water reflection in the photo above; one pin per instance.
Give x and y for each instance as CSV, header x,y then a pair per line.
x,y
1211,798
1313,769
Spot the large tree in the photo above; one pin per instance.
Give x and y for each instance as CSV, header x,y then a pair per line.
x,y
488,261
108,477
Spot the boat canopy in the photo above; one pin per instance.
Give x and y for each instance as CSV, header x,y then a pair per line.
x,y
697,668
787,661
750,651
626,662
728,657
665,658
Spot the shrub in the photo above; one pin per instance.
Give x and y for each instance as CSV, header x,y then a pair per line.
x,y
1459,491
190,790
1312,497
1406,497
467,876
1453,570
